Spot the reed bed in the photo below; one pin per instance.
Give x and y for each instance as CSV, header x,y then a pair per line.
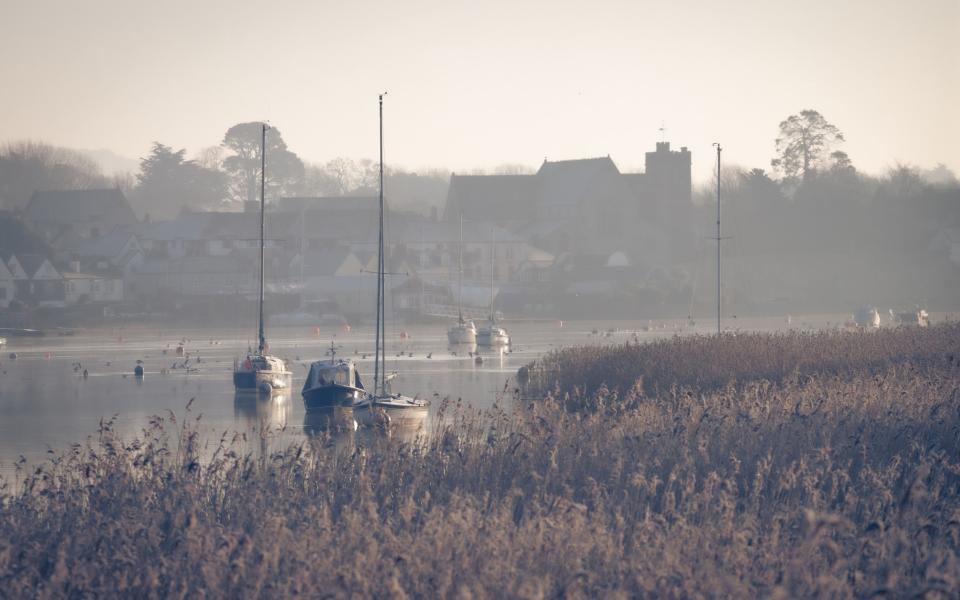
x,y
837,481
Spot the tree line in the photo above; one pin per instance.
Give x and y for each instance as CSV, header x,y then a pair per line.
x,y
221,177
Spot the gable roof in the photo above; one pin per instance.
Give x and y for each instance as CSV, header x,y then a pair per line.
x,y
16,238
105,246
566,182
106,206
31,263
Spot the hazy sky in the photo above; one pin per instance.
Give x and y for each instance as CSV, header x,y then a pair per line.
x,y
476,84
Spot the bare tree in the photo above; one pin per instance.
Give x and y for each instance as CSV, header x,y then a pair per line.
x,y
27,166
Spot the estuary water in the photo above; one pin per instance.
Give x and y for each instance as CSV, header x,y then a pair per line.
x,y
48,403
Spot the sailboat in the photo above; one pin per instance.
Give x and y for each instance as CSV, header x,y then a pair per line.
x,y
491,334
259,370
464,332
382,405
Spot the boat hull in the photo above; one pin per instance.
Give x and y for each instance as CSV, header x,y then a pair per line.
x,y
461,335
492,339
330,396
264,381
395,410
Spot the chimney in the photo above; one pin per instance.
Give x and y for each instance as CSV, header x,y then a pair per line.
x,y
75,266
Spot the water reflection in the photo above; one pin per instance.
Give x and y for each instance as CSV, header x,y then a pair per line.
x,y
338,426
256,409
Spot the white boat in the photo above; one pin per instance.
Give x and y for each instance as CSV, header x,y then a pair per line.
x,y
867,317
259,370
491,334
463,332
382,406
915,318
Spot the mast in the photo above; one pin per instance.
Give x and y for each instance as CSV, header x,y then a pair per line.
x,y
263,166
493,251
719,239
380,357
460,274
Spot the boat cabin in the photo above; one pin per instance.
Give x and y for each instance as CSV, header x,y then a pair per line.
x,y
259,362
341,374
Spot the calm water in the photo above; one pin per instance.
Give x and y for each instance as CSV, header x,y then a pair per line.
x,y
47,403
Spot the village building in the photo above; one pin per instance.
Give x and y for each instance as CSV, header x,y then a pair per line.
x,y
37,281
582,206
67,214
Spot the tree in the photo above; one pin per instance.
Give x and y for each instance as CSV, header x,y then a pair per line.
x,y
284,168
804,142
167,181
28,166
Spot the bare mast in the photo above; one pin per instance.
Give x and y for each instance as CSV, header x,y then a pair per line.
x,y
719,238
380,356
263,171
460,275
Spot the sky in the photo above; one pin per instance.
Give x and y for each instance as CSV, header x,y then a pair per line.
x,y
473,85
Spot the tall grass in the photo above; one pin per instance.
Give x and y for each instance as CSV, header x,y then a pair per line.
x,y
835,479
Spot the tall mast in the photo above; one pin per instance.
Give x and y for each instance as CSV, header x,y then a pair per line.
x,y
380,358
460,274
493,251
719,238
263,172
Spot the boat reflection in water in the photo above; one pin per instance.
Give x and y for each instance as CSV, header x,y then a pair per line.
x,y
263,410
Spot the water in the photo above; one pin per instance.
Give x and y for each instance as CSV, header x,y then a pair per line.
x,y
46,402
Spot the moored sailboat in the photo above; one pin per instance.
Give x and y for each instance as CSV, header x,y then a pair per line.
x,y
259,370
382,405
463,332
491,334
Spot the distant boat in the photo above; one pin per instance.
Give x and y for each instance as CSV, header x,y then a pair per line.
x,y
382,405
260,371
867,317
491,334
463,332
331,384
916,318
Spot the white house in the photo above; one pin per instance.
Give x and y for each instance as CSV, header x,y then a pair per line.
x,y
37,281
81,288
7,285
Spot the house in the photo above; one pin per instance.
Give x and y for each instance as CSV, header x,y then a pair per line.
x,y
7,286
64,214
37,281
336,275
119,249
16,238
105,286
580,206
193,276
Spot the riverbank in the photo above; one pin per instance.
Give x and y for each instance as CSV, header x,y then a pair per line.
x,y
795,464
